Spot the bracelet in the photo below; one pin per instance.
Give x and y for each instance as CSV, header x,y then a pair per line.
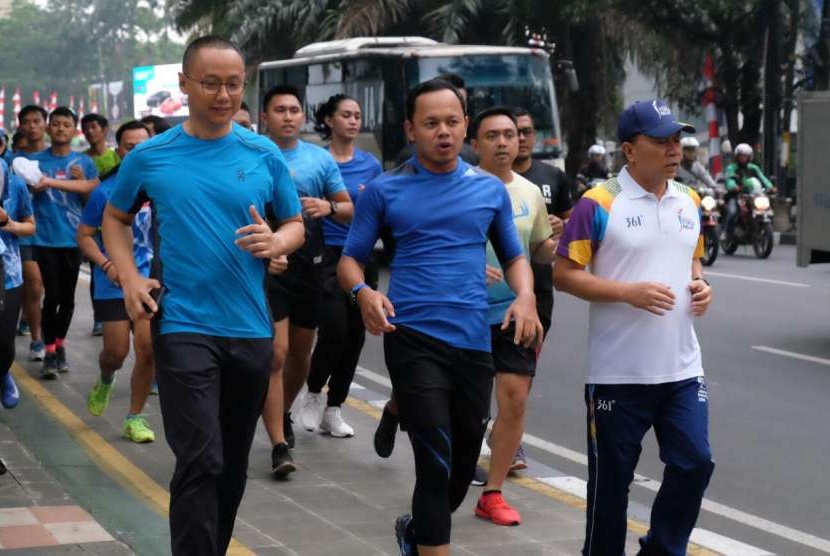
x,y
106,264
702,279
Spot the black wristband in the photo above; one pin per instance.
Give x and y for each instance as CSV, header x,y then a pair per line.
x,y
702,279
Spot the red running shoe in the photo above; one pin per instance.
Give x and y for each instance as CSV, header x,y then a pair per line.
x,y
492,506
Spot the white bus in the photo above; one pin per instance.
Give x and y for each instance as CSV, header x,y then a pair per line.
x,y
379,71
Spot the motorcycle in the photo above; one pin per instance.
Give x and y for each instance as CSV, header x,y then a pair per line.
x,y
710,214
753,224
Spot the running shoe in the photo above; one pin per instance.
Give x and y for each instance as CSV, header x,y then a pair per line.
x,y
9,394
334,424
99,397
311,412
519,460
405,535
63,366
49,370
282,464
288,430
37,351
480,477
492,506
97,329
23,328
154,388
385,434
137,429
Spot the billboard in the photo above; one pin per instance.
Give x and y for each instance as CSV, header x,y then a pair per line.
x,y
156,91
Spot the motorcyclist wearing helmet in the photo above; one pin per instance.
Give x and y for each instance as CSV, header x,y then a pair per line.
x,y
691,171
738,175
595,167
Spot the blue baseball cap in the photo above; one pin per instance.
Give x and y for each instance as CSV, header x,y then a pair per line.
x,y
653,118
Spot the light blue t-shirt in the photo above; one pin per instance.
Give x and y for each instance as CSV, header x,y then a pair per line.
x,y
93,215
18,205
201,191
440,224
58,212
356,174
315,174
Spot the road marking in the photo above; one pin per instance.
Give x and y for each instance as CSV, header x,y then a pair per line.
x,y
716,508
707,539
754,279
794,355
104,454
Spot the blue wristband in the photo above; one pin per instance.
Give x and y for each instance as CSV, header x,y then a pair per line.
x,y
357,289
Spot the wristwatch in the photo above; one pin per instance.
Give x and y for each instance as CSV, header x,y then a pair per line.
x,y
355,291
333,206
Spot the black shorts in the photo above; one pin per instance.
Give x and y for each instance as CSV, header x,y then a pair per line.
x,y
27,253
543,282
296,293
109,310
509,357
436,384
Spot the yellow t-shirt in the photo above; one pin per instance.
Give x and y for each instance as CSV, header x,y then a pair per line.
x,y
530,214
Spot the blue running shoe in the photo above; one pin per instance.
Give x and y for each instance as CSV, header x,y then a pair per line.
x,y
23,328
9,394
404,535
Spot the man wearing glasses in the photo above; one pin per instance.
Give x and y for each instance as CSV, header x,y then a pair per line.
x,y
208,181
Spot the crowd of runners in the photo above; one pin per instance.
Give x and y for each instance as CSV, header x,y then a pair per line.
x,y
241,267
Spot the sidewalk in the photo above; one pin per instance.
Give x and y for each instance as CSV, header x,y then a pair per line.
x,y
343,499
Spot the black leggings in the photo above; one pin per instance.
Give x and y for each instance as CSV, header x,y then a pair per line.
x,y
8,327
59,267
340,334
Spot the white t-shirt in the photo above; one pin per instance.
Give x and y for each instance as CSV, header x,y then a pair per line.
x,y
623,233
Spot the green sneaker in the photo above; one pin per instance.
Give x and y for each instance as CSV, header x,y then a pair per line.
x,y
99,397
136,429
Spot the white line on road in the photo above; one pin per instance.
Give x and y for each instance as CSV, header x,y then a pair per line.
x,y
739,516
707,539
754,279
793,354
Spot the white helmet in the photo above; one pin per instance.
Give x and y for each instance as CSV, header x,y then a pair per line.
x,y
689,143
743,148
596,149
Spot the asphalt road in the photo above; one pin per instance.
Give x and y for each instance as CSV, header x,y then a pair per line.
x,y
770,412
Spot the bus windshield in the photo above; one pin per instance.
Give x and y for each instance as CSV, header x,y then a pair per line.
x,y
513,80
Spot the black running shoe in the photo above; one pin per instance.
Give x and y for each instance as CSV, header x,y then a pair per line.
x,y
480,477
288,430
63,366
404,536
385,434
282,464
49,370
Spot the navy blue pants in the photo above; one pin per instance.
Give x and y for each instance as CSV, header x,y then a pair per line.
x,y
618,418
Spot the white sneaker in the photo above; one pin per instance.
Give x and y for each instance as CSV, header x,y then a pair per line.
x,y
311,412
334,424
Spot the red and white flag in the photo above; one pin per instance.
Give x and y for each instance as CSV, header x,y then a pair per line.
x,y
16,106
3,108
53,101
72,102
711,109
36,98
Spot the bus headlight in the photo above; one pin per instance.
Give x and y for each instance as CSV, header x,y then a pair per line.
x,y
761,203
708,203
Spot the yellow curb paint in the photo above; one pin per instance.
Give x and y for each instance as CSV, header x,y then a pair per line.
x,y
113,462
636,527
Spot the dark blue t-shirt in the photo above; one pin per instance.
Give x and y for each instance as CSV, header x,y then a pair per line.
x,y
18,204
57,213
440,224
356,174
93,215
200,191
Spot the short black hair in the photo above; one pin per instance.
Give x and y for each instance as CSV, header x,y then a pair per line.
x,y
281,90
326,110
208,41
431,86
159,124
64,112
98,118
244,106
453,78
16,138
489,113
127,126
29,108
520,112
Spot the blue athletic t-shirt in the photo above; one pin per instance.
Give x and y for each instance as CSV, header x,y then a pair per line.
x,y
440,224
201,191
57,213
93,215
315,174
356,173
18,205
